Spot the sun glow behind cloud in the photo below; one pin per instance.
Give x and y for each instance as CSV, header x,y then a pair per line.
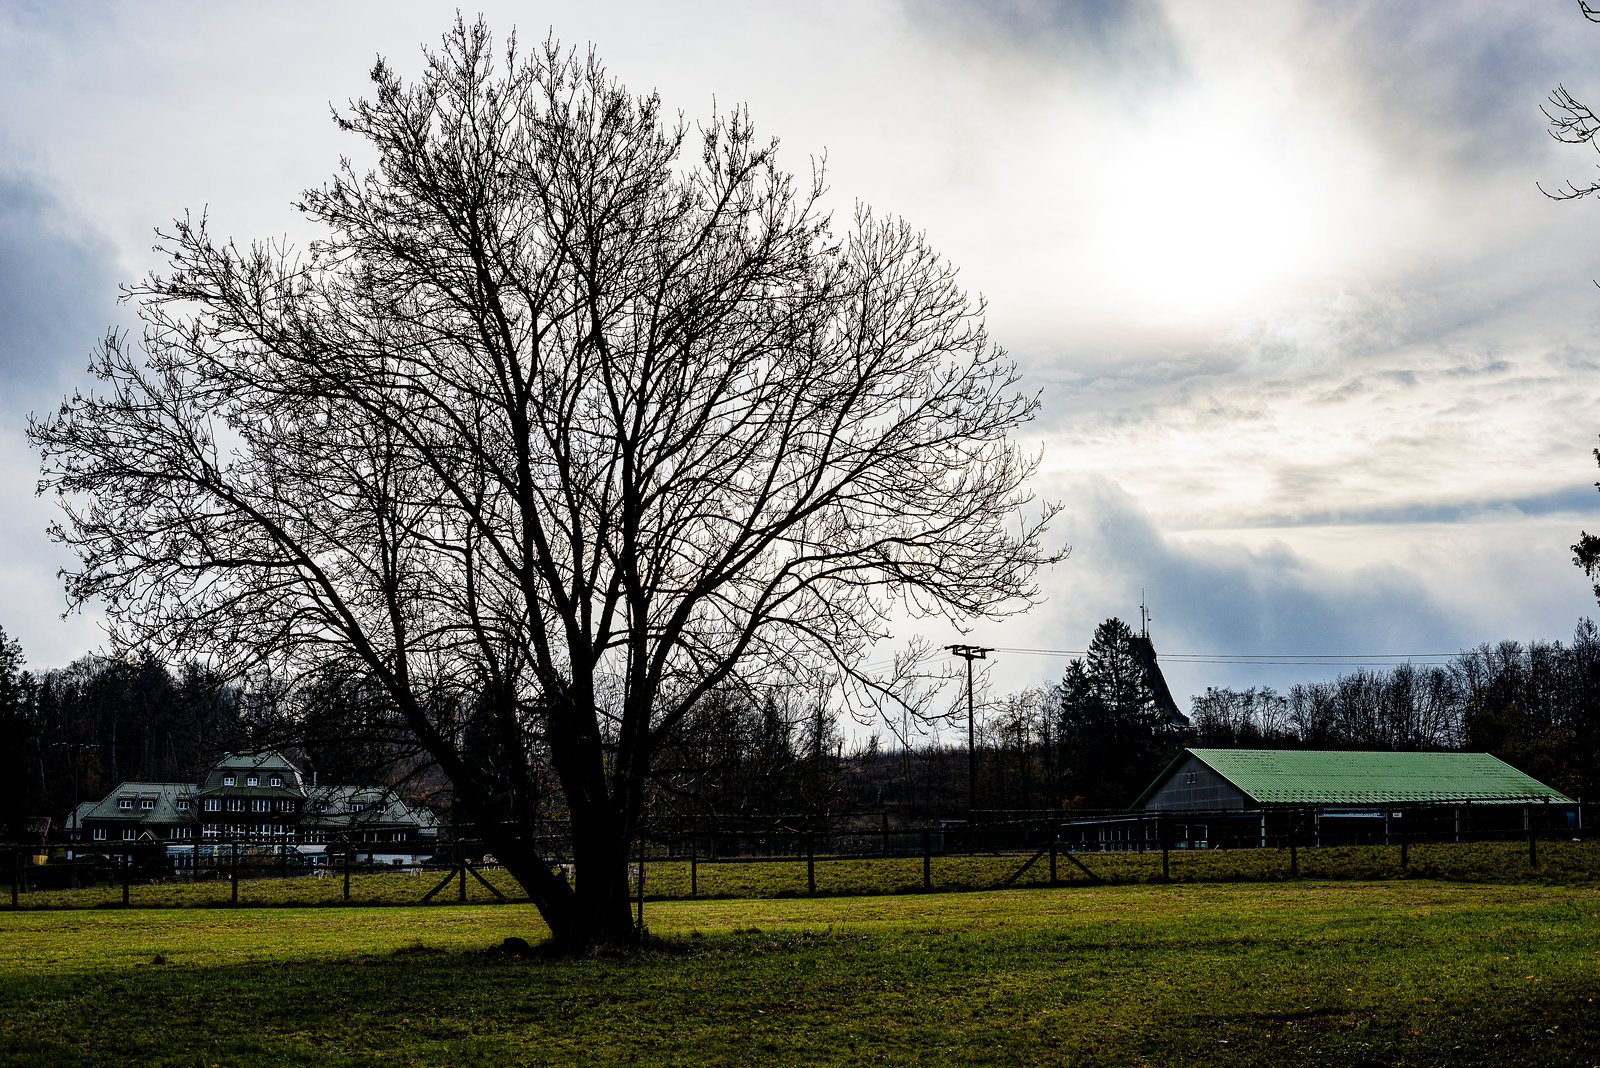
x,y
1204,214
1279,271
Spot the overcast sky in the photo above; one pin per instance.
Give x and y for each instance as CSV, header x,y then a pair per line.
x,y
1318,361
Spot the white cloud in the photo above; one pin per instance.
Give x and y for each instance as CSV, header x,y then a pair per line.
x,y
1318,362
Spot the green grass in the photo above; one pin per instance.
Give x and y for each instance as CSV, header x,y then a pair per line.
x,y
1565,863
1305,973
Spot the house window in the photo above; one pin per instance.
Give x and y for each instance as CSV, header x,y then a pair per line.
x,y
235,804
99,834
252,780
229,780
261,804
125,804
183,804
127,834
147,805
1191,778
276,780
213,804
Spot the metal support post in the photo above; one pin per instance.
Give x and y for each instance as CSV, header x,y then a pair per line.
x,y
347,854
927,861
811,866
127,874
233,898
694,872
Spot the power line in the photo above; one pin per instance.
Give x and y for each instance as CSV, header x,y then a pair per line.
x,y
1266,659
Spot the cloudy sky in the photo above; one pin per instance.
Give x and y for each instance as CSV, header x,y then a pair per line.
x,y
1319,364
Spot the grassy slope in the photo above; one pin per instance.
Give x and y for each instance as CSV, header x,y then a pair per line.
x,y
1303,973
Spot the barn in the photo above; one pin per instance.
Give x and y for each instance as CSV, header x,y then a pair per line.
x,y
1237,796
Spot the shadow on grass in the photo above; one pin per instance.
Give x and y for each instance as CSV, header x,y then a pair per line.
x,y
1199,994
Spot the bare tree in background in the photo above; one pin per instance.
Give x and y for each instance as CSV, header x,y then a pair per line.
x,y
559,428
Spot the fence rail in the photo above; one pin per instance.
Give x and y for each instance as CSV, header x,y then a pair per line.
x,y
674,858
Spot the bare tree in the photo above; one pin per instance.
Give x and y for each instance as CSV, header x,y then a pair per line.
x,y
559,428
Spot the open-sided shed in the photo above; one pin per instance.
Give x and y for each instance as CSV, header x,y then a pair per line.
x,y
1221,779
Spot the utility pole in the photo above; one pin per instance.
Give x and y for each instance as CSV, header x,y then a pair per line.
x,y
969,653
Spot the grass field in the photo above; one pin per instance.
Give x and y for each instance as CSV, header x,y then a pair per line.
x,y
1560,863
1310,972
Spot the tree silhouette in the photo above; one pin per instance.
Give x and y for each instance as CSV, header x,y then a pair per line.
x,y
562,426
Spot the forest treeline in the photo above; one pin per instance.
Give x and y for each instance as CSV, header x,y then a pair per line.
x,y
1092,740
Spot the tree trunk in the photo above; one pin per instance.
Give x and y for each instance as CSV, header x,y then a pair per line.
x,y
592,912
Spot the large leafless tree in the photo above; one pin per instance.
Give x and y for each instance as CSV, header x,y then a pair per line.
x,y
574,414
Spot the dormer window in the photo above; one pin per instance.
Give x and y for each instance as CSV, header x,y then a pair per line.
x,y
252,780
183,804
125,804
147,804
275,780
230,780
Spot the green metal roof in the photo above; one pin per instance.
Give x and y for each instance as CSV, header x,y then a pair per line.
x,y
1312,777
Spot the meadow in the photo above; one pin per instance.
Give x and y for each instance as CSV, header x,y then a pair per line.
x,y
1308,972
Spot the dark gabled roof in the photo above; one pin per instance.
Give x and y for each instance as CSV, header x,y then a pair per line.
x,y
165,796
263,763
378,807
1320,777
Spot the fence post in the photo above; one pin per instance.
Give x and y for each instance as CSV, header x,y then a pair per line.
x,y
127,874
16,874
1406,821
694,870
233,848
640,922
461,871
811,866
1052,854
1533,850
1294,855
1165,834
347,854
885,832
927,860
